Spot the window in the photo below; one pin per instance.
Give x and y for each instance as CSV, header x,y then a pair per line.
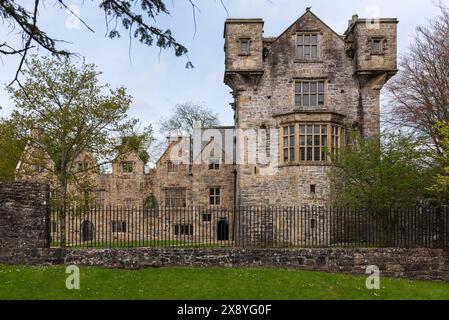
x,y
172,166
312,223
54,226
183,230
118,226
312,142
214,196
244,46
175,197
312,189
207,217
214,165
83,166
289,143
309,93
376,46
127,167
38,168
336,135
307,46
150,202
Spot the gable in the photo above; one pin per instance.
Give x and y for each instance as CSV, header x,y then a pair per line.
x,y
308,22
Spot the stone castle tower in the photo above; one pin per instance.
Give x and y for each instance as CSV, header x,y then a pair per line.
x,y
309,86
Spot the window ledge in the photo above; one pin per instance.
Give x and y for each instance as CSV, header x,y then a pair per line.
x,y
309,61
377,54
318,108
306,163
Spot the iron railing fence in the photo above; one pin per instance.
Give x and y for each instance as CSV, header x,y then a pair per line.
x,y
304,227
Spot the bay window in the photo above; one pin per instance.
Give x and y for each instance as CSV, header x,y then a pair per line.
x,y
310,142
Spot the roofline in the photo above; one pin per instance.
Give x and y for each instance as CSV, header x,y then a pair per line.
x,y
309,11
239,20
244,20
364,20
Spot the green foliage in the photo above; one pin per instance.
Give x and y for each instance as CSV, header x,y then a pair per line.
x,y
136,18
139,142
381,172
12,143
75,114
441,183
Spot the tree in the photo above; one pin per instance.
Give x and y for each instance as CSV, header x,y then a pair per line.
x,y
12,142
441,181
380,173
184,117
420,92
135,17
74,114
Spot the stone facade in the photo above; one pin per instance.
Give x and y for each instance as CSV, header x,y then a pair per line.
x,y
296,96
24,219
264,80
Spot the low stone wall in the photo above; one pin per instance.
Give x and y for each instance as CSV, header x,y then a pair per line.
x,y
424,264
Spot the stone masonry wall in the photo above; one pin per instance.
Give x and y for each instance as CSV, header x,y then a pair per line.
x,y
423,264
24,219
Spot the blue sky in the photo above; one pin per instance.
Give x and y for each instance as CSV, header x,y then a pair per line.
x,y
158,81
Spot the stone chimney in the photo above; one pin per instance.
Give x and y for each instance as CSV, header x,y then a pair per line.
x,y
353,19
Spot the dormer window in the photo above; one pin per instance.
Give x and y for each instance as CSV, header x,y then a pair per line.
x,y
377,46
172,166
83,166
244,46
127,167
307,46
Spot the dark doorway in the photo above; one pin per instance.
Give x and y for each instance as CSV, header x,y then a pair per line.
x,y
87,231
223,230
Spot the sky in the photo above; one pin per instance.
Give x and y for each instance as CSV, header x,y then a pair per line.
x,y
159,80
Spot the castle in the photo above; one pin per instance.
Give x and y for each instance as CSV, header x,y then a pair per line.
x,y
295,98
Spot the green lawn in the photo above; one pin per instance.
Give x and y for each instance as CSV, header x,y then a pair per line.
x,y
205,283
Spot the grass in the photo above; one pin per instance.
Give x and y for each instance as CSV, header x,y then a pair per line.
x,y
18,282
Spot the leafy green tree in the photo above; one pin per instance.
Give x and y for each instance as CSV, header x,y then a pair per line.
x,y
440,185
12,142
136,18
378,173
75,114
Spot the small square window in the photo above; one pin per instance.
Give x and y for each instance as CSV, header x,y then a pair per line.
x,y
118,226
127,167
377,46
207,217
214,165
312,189
244,46
183,230
83,166
214,196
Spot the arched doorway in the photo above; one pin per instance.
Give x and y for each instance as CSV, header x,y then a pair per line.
x,y
223,230
87,231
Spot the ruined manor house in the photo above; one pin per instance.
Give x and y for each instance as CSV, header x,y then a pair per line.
x,y
301,92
